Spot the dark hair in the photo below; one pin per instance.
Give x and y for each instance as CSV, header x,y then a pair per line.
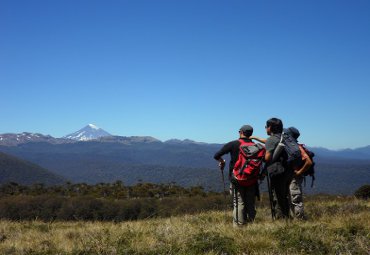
x,y
275,124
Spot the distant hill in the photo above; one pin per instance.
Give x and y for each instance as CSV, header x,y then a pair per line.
x,y
359,153
129,160
26,137
13,169
185,162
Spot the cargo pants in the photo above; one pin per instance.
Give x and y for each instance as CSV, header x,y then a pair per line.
x,y
244,203
296,197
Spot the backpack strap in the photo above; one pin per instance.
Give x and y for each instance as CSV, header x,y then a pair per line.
x,y
281,138
312,180
244,166
278,150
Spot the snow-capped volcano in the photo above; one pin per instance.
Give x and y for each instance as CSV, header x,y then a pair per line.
x,y
89,132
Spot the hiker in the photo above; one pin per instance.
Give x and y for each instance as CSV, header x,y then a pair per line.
x,y
280,173
295,187
244,197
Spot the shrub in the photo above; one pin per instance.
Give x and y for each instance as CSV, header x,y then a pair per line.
x,y
363,192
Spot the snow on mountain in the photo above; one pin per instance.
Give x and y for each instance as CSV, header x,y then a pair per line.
x,y
87,133
10,139
185,141
93,126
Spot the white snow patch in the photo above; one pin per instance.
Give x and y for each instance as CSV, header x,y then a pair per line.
x,y
93,126
80,134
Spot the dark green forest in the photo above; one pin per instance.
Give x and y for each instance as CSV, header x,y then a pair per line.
x,y
104,201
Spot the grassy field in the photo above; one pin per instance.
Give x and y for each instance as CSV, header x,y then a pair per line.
x,y
336,225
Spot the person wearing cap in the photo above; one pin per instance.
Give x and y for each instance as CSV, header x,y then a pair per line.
x,y
295,186
244,198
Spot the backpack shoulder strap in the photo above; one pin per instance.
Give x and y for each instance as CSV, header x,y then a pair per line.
x,y
281,137
278,150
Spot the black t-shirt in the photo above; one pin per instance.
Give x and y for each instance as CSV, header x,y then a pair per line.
x,y
232,148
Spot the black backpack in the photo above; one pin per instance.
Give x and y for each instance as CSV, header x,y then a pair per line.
x,y
291,148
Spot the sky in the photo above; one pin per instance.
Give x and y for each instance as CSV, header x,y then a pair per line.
x,y
187,69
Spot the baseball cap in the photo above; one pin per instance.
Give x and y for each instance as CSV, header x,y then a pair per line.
x,y
246,129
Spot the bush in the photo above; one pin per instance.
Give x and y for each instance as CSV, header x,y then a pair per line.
x,y
363,192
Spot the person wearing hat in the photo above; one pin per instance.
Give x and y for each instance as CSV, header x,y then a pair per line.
x,y
295,191
295,186
244,198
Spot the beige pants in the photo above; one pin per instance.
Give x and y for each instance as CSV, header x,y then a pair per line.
x,y
244,199
296,197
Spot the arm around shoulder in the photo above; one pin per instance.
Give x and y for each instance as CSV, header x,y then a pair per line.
x,y
262,140
307,164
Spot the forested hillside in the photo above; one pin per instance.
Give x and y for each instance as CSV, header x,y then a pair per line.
x,y
13,169
187,163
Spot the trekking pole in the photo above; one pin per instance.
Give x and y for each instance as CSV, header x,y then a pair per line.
x,y
271,198
223,182
222,165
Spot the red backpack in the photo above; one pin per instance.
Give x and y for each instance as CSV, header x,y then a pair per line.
x,y
247,168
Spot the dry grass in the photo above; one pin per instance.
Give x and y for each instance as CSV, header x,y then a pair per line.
x,y
336,226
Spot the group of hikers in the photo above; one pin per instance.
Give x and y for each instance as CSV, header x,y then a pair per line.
x,y
282,160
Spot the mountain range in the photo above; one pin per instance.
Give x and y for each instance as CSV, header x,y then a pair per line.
x,y
108,158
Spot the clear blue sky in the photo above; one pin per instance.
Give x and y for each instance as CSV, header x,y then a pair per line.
x,y
187,68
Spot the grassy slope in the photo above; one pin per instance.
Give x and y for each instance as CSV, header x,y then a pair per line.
x,y
336,226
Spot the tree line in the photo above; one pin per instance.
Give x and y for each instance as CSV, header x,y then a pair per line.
x,y
104,201
116,190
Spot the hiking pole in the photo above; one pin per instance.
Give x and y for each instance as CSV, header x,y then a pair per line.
x,y
222,165
271,198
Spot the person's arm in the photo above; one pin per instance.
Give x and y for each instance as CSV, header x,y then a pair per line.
x,y
218,156
270,147
268,156
307,164
261,140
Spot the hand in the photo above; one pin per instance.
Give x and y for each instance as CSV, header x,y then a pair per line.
x,y
221,164
297,173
